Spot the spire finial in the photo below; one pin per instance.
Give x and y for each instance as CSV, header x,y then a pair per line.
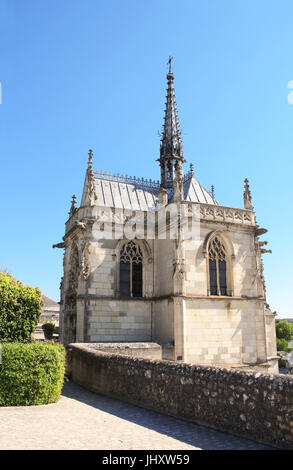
x,y
213,191
191,167
73,205
90,160
247,196
91,179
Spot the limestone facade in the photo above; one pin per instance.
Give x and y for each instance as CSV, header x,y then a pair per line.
x,y
202,297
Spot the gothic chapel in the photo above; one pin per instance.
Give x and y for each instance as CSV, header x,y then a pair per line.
x,y
203,298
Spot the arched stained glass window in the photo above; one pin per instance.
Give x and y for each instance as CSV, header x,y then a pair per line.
x,y
130,270
217,267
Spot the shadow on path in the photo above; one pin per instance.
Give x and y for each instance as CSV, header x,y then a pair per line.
x,y
184,431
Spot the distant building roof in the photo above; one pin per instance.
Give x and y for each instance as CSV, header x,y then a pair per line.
x,y
285,319
49,302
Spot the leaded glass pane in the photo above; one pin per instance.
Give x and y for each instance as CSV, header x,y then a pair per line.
x,y
137,280
213,278
222,276
217,267
125,279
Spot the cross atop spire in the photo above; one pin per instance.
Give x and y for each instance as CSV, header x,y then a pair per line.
x,y
171,150
169,62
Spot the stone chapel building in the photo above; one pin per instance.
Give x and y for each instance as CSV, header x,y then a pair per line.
x,y
203,299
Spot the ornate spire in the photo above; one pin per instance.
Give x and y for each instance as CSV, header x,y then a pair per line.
x,y
247,196
171,150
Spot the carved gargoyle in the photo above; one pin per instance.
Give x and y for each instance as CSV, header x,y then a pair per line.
x,y
81,225
59,245
260,231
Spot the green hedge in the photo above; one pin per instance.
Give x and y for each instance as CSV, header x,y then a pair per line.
x,y
20,309
31,373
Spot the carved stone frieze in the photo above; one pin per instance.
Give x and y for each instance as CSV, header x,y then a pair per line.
x,y
226,214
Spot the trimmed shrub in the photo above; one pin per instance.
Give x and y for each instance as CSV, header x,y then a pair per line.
x,y
31,373
48,329
282,364
49,326
20,309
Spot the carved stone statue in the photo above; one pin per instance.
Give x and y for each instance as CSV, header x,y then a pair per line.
x,y
85,261
74,269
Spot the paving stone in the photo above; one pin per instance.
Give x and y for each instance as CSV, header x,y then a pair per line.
x,y
87,421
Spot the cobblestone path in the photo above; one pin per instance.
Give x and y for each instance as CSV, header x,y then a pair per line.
x,y
84,420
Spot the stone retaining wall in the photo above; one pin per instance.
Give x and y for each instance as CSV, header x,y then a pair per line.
x,y
251,404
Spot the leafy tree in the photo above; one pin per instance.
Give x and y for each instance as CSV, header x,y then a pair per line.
x,y
5,270
282,344
20,309
284,330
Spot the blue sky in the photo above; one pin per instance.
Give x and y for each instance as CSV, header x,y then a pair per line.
x,y
83,74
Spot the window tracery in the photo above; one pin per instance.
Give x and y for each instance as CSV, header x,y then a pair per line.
x,y
217,267
131,266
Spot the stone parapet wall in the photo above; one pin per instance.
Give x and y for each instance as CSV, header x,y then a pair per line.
x,y
251,404
143,350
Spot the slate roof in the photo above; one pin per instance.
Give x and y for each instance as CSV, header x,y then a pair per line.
x,y
138,194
